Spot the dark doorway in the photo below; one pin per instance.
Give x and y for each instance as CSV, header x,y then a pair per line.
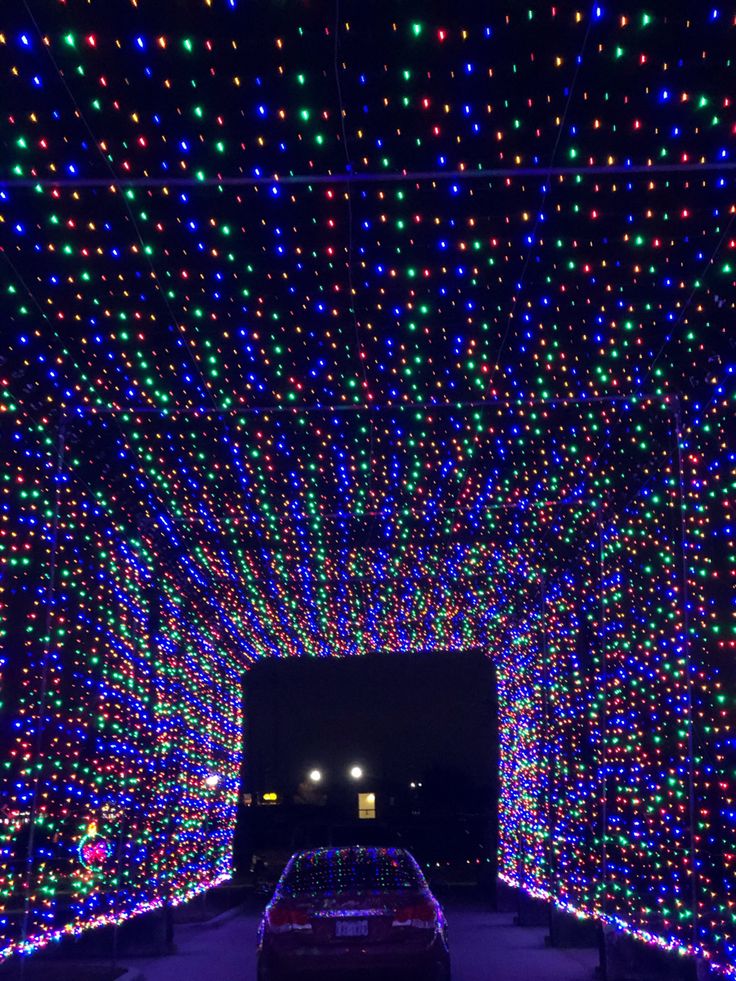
x,y
422,729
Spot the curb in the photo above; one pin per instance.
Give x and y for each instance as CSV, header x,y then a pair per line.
x,y
217,921
135,974
132,974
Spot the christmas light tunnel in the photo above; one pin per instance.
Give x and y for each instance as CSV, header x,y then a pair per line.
x,y
313,347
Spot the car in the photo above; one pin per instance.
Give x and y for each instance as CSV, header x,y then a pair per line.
x,y
339,911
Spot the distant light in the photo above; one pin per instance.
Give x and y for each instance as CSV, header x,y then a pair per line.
x,y
212,780
413,785
356,772
315,776
270,798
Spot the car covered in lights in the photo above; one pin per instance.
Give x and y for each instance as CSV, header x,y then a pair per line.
x,y
342,910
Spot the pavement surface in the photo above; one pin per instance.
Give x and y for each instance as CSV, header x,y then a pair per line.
x,y
484,947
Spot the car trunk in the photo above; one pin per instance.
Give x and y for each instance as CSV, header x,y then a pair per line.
x,y
361,917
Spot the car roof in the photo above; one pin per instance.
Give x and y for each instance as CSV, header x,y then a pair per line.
x,y
357,851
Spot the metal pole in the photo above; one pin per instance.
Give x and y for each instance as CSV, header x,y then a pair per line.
x,y
154,624
685,592
603,772
547,732
547,722
38,755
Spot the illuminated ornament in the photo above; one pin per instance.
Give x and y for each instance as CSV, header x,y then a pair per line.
x,y
94,851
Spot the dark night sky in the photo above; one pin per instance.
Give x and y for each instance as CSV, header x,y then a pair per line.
x,y
395,715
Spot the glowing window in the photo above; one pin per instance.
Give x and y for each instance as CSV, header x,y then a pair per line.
x,y
367,807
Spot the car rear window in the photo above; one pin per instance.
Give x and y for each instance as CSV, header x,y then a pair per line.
x,y
349,869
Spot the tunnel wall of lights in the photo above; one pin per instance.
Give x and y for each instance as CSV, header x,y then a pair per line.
x,y
312,347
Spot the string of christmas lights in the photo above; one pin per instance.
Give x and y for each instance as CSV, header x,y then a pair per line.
x,y
426,347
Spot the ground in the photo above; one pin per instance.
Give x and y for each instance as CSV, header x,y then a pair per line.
x,y
484,946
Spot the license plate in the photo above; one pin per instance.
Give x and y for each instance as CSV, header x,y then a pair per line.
x,y
351,928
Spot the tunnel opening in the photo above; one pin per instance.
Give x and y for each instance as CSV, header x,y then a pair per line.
x,y
414,735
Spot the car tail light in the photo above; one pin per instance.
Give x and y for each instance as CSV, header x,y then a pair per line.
x,y
283,917
421,915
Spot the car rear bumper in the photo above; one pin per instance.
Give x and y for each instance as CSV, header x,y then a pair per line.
x,y
335,959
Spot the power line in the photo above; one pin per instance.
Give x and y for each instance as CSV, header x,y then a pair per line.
x,y
370,177
531,403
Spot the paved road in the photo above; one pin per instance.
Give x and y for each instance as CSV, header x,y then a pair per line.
x,y
484,947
